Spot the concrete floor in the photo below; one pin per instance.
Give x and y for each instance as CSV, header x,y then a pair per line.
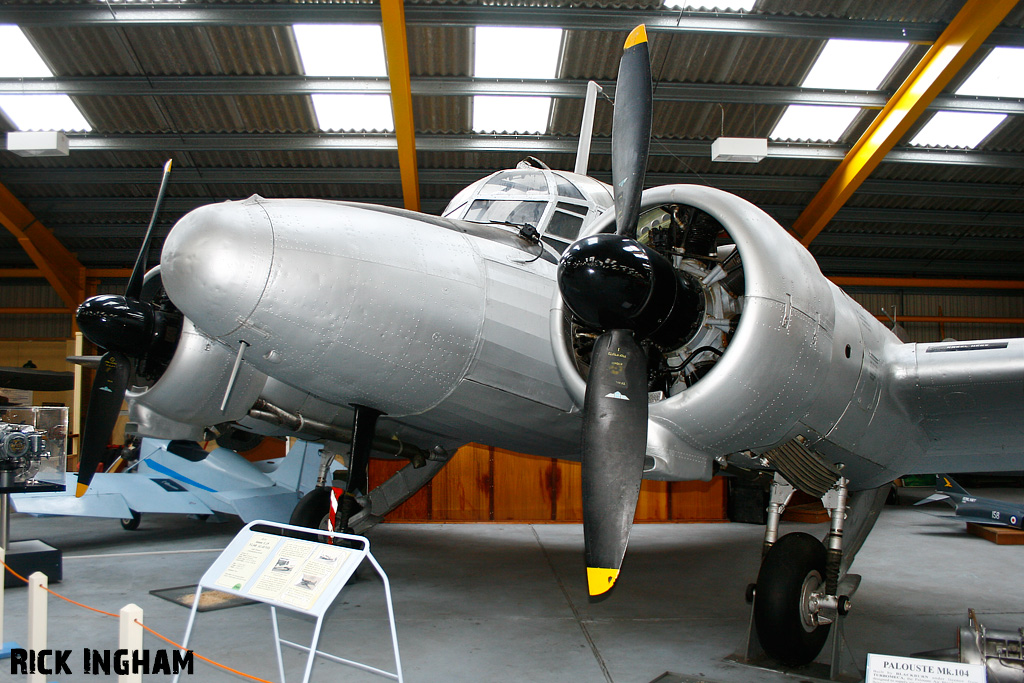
x,y
497,602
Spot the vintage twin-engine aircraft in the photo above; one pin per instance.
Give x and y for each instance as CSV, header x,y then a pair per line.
x,y
682,333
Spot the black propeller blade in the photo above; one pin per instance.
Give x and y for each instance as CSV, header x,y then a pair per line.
x,y
631,130
104,407
127,329
614,447
632,294
134,289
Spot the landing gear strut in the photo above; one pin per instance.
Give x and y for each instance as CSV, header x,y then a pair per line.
x,y
798,595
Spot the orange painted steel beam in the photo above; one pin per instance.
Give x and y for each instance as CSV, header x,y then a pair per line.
x,y
964,35
396,46
109,272
936,283
980,320
21,272
89,272
58,265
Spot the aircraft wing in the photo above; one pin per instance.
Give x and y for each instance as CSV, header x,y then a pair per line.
x,y
114,496
967,397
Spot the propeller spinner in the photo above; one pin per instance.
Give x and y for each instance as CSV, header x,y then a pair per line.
x,y
129,330
633,295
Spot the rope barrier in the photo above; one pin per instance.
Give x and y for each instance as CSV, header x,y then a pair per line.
x,y
147,628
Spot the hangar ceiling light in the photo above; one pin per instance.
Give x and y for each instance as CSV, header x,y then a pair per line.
x,y
724,6
998,75
514,52
842,65
355,50
18,59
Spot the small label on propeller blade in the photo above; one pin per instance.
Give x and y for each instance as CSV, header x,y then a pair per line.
x,y
618,394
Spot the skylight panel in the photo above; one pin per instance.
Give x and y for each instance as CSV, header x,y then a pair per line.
x,y
353,112
341,49
354,50
842,64
507,114
43,112
998,75
514,52
725,6
853,64
814,123
18,59
957,129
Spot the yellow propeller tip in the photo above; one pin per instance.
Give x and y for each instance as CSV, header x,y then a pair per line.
x,y
80,490
636,36
600,581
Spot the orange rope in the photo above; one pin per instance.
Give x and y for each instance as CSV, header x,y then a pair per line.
x,y
208,661
161,637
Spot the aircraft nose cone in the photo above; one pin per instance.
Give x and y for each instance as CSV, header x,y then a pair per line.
x,y
215,264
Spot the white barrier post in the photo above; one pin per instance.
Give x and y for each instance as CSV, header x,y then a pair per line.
x,y
36,637
130,639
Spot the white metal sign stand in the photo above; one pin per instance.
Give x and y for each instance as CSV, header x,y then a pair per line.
x,y
296,575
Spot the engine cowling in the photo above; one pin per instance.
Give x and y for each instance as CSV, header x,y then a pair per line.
x,y
771,349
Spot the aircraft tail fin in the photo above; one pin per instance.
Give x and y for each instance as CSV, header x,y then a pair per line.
x,y
946,484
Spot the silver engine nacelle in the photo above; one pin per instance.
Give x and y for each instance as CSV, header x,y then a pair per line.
x,y
188,395
778,351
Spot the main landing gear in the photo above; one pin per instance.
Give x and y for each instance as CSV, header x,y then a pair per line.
x,y
803,590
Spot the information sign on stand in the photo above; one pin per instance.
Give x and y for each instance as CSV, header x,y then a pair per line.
x,y
891,669
298,575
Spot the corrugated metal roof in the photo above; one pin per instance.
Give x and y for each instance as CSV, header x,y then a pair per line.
x,y
724,61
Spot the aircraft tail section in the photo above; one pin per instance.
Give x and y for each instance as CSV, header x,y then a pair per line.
x,y
946,484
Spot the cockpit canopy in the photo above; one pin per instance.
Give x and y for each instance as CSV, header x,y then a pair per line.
x,y
558,203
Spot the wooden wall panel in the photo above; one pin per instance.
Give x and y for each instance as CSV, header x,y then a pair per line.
x,y
699,501
652,506
461,492
522,487
569,498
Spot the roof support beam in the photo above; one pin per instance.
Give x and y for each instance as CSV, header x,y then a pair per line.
x,y
59,266
965,34
457,86
571,18
396,45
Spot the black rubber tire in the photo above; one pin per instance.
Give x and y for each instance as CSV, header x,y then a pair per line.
x,y
133,523
311,511
777,618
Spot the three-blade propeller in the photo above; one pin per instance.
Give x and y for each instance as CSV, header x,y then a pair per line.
x,y
127,328
631,294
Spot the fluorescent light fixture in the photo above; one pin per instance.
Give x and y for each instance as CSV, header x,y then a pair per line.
x,y
18,59
510,114
814,123
43,112
355,50
341,49
739,150
513,52
957,129
353,112
853,64
51,143
725,6
998,75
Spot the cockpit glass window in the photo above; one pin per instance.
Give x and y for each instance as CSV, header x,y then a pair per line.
x,y
517,182
506,211
565,225
567,189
